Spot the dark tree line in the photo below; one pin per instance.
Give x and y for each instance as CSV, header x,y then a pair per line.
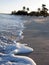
x,y
39,12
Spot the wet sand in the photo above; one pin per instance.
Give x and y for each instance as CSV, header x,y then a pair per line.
x,y
39,41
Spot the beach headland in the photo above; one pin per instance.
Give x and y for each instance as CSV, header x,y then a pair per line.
x,y
39,12
38,40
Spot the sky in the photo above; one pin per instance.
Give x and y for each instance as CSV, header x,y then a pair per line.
x,y
6,6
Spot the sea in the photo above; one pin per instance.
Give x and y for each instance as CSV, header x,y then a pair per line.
x,y
11,32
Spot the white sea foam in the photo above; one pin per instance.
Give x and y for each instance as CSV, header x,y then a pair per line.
x,y
15,59
16,47
7,52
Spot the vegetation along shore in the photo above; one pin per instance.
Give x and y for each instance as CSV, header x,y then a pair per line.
x,y
40,11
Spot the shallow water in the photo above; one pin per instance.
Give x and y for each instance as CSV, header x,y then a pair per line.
x,y
11,30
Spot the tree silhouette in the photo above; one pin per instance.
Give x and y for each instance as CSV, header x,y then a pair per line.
x,y
40,12
13,12
27,9
24,8
43,5
38,9
44,10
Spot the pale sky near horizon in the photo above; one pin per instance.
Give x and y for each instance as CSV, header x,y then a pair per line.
x,y
6,6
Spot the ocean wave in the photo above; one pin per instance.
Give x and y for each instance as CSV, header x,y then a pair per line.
x,y
8,53
7,46
16,60
11,30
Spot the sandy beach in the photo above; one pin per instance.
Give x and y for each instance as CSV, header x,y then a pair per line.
x,y
38,39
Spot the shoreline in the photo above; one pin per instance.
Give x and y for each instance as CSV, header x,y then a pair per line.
x,y
38,42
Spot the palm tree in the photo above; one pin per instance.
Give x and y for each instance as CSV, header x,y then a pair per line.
x,y
38,9
24,8
44,7
27,9
44,10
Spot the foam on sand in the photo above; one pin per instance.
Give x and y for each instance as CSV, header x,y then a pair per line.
x,y
15,47
16,60
8,53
